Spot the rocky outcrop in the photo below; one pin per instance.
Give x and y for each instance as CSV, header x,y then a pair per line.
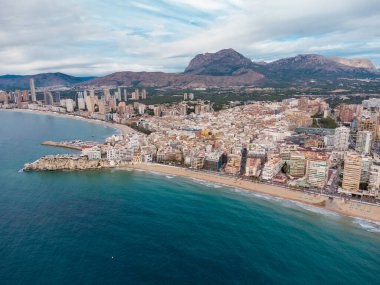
x,y
221,63
50,163
356,62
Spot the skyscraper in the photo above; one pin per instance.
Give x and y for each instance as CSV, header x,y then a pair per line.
x,y
364,142
32,90
341,138
137,94
81,102
48,97
118,97
143,94
352,172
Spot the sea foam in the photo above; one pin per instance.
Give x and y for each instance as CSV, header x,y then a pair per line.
x,y
370,226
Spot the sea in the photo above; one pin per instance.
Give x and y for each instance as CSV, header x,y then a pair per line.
x,y
134,227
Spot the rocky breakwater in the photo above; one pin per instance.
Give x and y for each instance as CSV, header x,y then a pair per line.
x,y
66,162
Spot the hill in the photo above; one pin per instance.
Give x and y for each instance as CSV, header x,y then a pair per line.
x,y
40,80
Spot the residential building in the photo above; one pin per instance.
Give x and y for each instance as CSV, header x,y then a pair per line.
x,y
352,172
341,138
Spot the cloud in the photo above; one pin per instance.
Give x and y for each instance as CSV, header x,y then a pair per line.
x,y
94,37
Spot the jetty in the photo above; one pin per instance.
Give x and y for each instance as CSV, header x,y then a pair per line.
x,y
74,144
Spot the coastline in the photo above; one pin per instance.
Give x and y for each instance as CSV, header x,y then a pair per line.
x,y
340,206
124,129
350,208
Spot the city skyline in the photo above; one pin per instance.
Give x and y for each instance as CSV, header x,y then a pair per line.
x,y
94,38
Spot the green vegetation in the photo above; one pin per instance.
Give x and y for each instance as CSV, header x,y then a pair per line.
x,y
140,128
326,123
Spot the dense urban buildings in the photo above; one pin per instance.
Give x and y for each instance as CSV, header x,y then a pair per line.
x,y
280,142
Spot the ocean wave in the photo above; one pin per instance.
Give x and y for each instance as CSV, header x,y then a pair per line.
x,y
369,226
156,173
318,210
169,177
207,184
286,203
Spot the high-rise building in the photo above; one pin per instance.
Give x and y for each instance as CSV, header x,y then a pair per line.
x,y
4,97
118,97
141,108
137,94
183,109
367,123
317,172
184,96
32,90
112,103
352,172
272,168
90,105
70,105
157,111
341,138
107,94
374,178
143,94
25,95
365,169
364,142
81,102
190,96
48,97
297,164
121,108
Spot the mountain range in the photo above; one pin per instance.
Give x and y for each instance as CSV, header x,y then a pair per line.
x,y
40,80
225,68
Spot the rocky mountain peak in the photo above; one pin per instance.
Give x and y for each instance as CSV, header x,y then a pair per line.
x,y
223,62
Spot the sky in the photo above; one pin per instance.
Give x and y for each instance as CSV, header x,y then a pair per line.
x,y
98,37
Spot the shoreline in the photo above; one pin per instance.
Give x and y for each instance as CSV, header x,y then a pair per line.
x,y
123,129
348,208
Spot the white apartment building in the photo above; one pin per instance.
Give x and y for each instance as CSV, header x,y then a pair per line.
x,y
93,153
317,173
272,168
374,178
341,138
111,153
364,142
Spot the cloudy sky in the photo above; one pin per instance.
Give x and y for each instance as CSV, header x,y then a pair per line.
x,y
96,37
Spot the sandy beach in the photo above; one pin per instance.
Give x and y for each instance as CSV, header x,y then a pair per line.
x,y
344,207
124,129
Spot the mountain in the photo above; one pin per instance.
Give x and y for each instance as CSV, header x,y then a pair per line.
x,y
292,70
221,63
305,67
40,80
225,68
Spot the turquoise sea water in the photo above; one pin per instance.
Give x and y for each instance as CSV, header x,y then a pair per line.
x,y
131,227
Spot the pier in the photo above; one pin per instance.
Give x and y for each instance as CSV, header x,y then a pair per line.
x,y
75,144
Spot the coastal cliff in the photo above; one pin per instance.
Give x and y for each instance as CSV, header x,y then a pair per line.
x,y
67,163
